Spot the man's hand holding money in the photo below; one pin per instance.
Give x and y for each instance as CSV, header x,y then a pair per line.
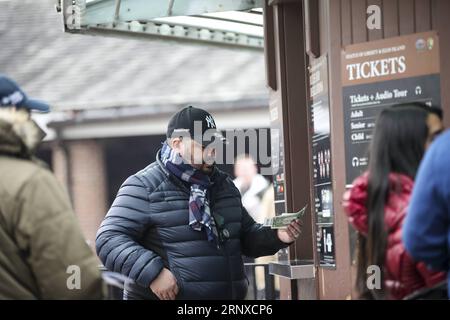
x,y
288,225
291,233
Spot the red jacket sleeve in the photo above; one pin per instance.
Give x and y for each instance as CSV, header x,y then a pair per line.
x,y
354,203
430,277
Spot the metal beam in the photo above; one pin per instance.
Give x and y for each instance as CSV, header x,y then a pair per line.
x,y
176,31
77,14
166,29
104,11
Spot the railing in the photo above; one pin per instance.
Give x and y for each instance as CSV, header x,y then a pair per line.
x,y
438,292
115,283
269,292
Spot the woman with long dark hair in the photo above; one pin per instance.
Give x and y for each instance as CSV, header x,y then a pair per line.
x,y
377,203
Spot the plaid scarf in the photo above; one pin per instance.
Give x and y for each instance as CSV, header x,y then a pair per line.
x,y
199,213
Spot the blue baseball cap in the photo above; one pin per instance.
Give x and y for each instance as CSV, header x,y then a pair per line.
x,y
12,96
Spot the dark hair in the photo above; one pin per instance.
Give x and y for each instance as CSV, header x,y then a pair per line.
x,y
398,146
433,109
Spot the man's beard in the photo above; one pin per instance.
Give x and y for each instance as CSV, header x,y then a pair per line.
x,y
207,168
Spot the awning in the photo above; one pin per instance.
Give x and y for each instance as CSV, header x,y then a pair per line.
x,y
231,22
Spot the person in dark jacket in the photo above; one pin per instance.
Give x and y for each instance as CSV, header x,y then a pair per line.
x,y
178,229
377,203
427,227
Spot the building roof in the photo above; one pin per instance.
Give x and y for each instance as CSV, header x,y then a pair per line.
x,y
214,21
80,72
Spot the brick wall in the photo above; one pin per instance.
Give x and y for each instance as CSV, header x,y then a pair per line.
x,y
88,185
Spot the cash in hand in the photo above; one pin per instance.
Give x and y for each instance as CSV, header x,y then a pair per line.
x,y
284,219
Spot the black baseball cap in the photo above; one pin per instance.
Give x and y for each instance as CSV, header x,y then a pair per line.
x,y
194,122
12,96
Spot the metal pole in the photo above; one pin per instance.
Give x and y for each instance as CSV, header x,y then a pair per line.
x,y
116,14
169,10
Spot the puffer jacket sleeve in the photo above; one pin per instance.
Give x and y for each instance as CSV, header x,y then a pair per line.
x,y
401,266
48,232
430,277
118,238
257,240
354,203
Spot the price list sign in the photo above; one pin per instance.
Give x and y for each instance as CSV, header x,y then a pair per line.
x,y
378,74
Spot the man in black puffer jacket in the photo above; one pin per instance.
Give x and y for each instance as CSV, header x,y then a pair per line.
x,y
177,228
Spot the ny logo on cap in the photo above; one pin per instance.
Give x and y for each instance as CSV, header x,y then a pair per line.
x,y
210,122
13,99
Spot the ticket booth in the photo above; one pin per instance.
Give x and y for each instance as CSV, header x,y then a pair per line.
x,y
331,66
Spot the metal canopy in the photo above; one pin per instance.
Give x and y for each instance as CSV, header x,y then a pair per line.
x,y
231,22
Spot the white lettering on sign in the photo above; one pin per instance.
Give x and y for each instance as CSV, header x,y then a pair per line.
x,y
359,98
329,243
357,114
400,93
358,125
317,89
383,95
358,136
376,68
